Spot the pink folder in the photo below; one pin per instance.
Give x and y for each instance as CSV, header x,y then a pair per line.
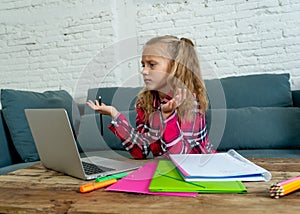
x,y
139,180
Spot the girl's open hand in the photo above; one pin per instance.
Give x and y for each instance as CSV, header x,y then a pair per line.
x,y
103,109
168,108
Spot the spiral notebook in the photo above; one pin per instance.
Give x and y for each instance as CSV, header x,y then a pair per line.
x,y
227,166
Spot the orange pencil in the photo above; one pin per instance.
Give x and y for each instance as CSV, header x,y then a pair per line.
x,y
96,185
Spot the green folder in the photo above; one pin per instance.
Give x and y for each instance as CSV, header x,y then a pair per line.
x,y
167,179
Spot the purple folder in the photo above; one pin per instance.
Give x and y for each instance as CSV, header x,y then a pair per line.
x,y
139,180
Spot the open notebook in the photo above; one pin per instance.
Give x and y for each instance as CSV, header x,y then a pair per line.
x,y
227,166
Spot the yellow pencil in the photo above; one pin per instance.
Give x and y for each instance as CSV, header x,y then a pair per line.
x,y
290,188
291,184
283,188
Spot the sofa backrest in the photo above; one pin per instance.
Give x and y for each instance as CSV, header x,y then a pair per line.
x,y
257,128
246,105
296,98
261,90
5,158
258,113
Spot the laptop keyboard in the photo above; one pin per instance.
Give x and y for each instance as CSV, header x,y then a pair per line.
x,y
90,168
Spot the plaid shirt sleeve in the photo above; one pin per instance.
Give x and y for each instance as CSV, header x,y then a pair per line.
x,y
162,137
140,141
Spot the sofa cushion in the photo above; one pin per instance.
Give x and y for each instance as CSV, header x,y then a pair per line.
x,y
5,158
296,98
14,167
261,90
123,98
89,136
13,104
256,128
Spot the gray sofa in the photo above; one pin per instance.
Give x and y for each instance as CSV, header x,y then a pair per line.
x,y
257,115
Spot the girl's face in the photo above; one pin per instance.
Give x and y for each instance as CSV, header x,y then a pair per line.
x,y
156,68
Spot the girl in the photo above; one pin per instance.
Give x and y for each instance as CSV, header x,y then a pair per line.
x,y
171,108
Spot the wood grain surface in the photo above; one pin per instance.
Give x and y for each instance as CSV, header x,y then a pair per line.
x,y
39,190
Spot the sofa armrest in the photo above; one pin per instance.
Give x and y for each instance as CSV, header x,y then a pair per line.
x,y
296,98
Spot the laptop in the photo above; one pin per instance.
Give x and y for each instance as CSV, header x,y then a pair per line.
x,y
57,148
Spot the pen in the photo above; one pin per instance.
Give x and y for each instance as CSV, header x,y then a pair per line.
x,y
93,186
101,121
115,176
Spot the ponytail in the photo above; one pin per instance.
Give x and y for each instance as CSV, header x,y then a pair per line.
x,y
186,74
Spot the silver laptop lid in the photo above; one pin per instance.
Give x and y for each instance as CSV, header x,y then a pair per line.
x,y
56,145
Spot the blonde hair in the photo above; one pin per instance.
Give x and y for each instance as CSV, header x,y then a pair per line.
x,y
185,73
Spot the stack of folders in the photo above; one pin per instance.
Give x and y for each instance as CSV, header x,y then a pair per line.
x,y
188,175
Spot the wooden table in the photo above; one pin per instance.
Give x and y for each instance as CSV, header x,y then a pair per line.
x,y
38,190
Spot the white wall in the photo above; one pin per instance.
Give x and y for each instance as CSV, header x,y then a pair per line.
x,y
80,44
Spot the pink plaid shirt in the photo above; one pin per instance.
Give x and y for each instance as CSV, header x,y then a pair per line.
x,y
162,137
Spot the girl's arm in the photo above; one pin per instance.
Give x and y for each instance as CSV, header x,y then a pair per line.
x,y
159,135
162,136
140,141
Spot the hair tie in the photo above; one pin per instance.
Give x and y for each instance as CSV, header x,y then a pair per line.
x,y
187,41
